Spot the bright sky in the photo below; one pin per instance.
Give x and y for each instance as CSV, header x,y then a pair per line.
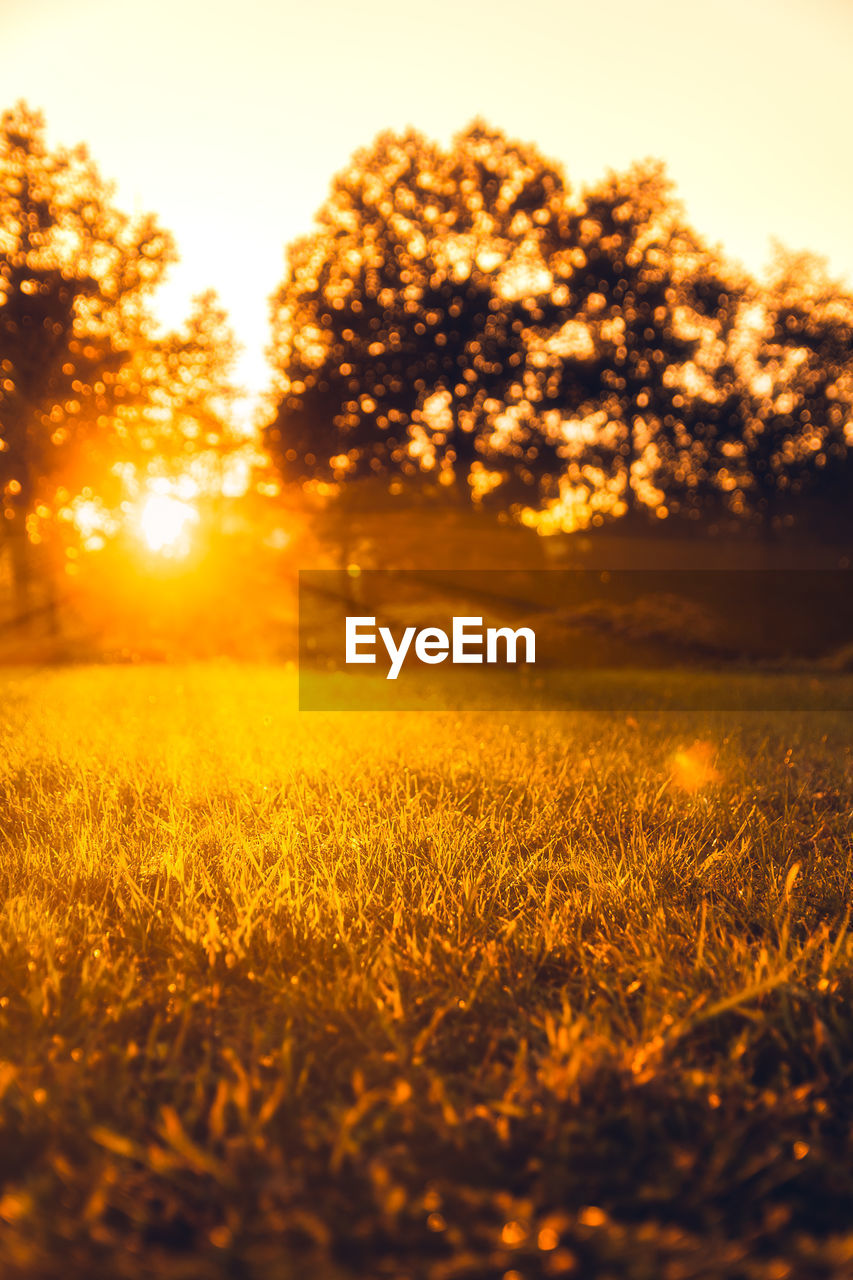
x,y
228,118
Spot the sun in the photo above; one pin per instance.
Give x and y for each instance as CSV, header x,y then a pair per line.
x,y
165,523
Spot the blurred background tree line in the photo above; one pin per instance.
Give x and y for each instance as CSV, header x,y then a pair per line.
x,y
460,331
463,316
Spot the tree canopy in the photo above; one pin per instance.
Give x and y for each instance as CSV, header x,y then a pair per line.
x,y
89,387
791,389
75,276
461,315
402,320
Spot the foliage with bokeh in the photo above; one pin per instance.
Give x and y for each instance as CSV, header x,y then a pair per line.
x,y
460,317
88,386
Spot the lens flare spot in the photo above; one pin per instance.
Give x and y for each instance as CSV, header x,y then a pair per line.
x,y
694,768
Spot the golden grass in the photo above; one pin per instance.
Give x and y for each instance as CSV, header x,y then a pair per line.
x,y
418,995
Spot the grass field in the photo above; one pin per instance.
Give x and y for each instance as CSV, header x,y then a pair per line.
x,y
419,995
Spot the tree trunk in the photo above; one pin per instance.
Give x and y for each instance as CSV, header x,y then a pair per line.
x,y
22,576
33,587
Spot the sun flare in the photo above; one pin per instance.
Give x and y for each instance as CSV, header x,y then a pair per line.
x,y
165,523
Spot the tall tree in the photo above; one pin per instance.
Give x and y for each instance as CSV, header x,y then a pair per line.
x,y
459,314
75,274
401,324
630,353
791,355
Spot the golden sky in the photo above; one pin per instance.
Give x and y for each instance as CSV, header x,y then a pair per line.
x,y
229,117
